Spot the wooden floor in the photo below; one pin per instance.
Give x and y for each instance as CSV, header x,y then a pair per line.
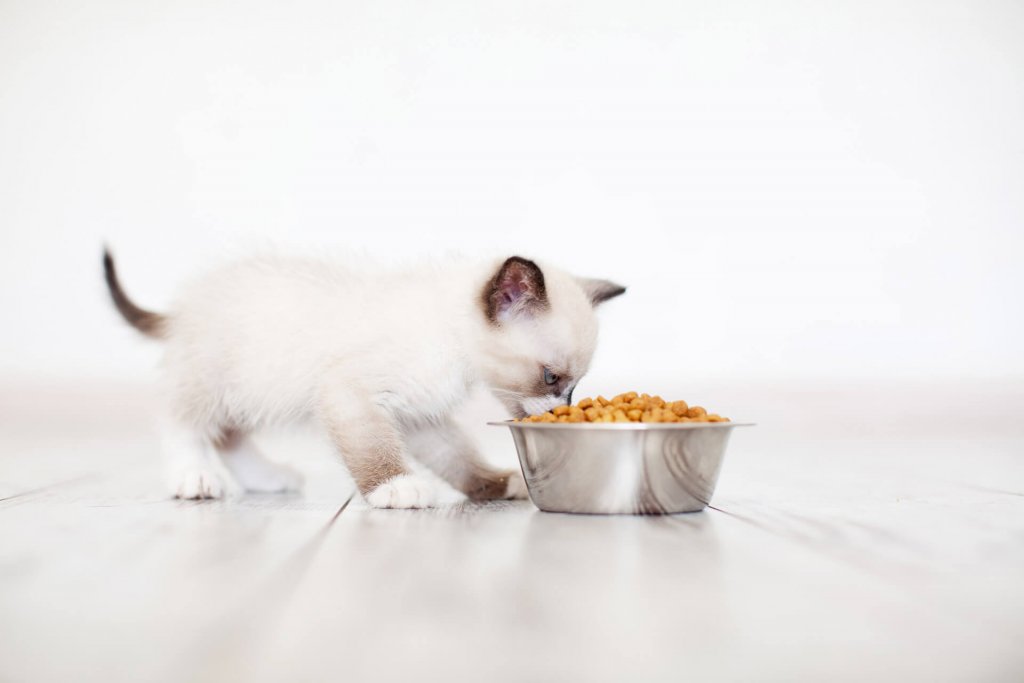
x,y
846,542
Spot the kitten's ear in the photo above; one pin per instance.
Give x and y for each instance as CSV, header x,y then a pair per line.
x,y
600,291
516,289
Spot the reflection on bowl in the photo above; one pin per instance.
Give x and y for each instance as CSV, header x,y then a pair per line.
x,y
624,468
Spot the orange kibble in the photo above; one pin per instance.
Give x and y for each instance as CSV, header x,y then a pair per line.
x,y
679,408
628,406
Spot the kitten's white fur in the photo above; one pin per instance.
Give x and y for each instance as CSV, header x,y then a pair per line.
x,y
382,359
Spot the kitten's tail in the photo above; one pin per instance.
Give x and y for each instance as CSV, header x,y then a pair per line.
x,y
147,322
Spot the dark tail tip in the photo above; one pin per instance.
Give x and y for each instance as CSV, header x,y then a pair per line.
x,y
147,322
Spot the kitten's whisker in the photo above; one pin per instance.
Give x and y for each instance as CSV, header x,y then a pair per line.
x,y
510,394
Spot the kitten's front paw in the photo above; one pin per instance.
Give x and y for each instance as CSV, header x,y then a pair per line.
x,y
516,487
404,491
198,484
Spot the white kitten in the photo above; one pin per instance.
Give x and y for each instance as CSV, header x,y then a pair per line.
x,y
379,359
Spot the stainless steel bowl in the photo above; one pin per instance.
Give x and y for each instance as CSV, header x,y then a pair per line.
x,y
609,468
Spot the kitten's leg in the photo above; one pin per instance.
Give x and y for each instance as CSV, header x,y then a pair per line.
x,y
448,451
374,452
193,469
252,470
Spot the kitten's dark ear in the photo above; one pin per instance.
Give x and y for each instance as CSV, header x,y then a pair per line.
x,y
600,291
517,288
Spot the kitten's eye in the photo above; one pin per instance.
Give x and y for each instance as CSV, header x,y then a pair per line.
x,y
549,377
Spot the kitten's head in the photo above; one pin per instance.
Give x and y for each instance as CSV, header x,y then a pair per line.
x,y
541,333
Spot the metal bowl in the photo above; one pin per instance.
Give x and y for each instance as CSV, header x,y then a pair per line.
x,y
615,468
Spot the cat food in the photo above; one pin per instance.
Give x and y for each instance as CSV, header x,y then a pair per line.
x,y
627,407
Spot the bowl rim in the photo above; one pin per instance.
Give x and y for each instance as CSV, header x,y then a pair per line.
x,y
622,426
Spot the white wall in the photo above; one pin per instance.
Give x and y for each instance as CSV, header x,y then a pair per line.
x,y
791,190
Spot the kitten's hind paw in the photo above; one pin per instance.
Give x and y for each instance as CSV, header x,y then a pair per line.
x,y
198,484
405,491
259,475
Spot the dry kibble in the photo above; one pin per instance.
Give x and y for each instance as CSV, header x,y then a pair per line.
x,y
626,407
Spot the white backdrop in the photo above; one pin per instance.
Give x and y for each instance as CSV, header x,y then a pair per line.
x,y
791,190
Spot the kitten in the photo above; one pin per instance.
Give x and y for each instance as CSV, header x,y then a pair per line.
x,y
381,360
